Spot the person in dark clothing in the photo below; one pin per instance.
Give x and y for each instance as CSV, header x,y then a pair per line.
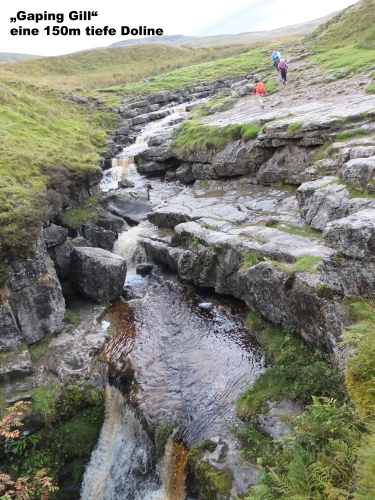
x,y
283,67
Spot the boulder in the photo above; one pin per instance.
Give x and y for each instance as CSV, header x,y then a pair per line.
x,y
354,235
97,273
348,277
123,205
60,255
97,236
39,308
54,235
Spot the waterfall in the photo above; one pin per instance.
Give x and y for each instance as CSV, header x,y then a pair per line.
x,y
127,245
121,467
173,471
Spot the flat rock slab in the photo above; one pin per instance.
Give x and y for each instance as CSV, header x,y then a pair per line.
x,y
275,422
97,273
354,235
131,209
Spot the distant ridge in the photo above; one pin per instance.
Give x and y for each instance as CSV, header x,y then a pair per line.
x,y
151,39
9,56
241,38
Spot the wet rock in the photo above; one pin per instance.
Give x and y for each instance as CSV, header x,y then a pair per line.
x,y
98,237
275,422
151,166
97,273
54,235
10,336
169,216
112,222
285,165
354,235
144,269
125,206
39,308
17,365
125,183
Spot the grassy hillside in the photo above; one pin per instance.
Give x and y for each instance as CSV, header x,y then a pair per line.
x,y
348,40
9,56
98,68
46,142
354,25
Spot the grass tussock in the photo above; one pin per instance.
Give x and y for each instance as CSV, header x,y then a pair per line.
x,y
304,264
193,136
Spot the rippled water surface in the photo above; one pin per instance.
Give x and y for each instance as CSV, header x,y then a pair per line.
x,y
178,358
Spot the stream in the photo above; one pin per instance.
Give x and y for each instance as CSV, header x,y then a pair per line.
x,y
175,354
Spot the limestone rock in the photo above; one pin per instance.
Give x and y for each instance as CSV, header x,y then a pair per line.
x,y
358,171
54,235
97,273
348,277
123,205
60,255
10,336
19,365
324,201
354,235
39,308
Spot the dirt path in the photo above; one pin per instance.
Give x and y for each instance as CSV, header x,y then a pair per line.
x,y
307,94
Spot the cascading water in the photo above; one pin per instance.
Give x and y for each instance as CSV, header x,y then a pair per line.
x,y
175,357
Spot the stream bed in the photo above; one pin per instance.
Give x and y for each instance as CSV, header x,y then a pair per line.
x,y
175,354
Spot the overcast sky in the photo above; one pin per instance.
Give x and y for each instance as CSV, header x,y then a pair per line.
x,y
196,17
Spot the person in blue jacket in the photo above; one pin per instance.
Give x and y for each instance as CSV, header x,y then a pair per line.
x,y
276,58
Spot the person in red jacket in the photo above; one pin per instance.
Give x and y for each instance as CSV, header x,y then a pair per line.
x,y
259,91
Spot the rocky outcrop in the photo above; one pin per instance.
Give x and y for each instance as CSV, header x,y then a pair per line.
x,y
60,254
34,304
97,273
324,201
16,365
39,308
213,259
131,209
10,336
353,236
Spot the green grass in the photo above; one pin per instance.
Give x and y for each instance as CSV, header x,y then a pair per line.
x,y
271,85
295,371
119,67
38,349
304,264
349,134
305,231
47,143
355,27
71,317
237,60
249,260
354,192
294,126
193,136
85,211
206,109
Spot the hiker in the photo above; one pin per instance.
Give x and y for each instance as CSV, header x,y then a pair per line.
x,y
276,59
259,91
283,69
